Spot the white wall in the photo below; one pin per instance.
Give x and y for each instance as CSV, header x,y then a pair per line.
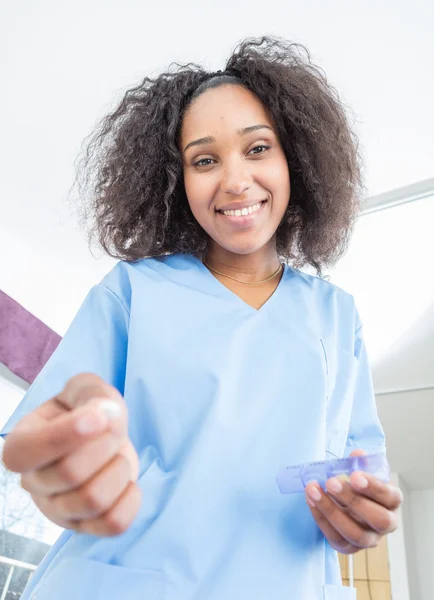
x,y
411,546
398,550
422,517
414,581
65,65
46,284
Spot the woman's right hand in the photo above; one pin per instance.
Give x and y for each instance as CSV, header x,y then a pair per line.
x,y
76,459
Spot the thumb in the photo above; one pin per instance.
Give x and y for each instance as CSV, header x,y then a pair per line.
x,y
358,452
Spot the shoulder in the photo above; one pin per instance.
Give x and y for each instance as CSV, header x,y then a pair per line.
x,y
141,277
330,300
320,286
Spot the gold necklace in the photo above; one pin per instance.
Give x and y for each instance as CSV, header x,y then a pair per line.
x,y
279,268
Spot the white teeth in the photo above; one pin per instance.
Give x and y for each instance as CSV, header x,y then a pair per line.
x,y
243,212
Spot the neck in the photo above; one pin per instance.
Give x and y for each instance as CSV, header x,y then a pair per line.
x,y
247,267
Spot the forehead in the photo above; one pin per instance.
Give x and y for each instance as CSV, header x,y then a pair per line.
x,y
225,107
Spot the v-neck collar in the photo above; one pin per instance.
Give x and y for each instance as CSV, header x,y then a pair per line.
x,y
231,295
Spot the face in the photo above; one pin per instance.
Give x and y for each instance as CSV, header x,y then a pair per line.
x,y
233,161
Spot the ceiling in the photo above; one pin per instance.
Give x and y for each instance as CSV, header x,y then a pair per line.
x,y
65,65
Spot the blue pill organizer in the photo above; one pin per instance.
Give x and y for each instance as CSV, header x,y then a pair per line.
x,y
295,478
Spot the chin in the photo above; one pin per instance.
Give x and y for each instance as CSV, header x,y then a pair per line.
x,y
243,248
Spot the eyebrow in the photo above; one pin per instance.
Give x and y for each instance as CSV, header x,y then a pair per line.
x,y
209,139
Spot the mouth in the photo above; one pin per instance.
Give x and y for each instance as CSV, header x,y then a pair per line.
x,y
243,212
245,218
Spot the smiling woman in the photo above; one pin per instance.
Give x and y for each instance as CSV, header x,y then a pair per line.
x,y
284,118
219,360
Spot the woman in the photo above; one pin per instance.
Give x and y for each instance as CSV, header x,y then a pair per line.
x,y
214,361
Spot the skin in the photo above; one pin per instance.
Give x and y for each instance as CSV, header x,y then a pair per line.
x,y
86,479
235,168
83,480
357,513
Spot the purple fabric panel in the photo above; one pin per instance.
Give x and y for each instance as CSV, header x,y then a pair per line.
x,y
25,342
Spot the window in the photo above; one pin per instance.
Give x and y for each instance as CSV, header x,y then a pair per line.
x,y
388,269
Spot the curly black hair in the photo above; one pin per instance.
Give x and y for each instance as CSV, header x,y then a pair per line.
x,y
130,178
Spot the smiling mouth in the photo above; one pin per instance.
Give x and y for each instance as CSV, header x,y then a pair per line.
x,y
243,212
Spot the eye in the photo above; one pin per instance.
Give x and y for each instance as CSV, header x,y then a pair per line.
x,y
203,162
264,146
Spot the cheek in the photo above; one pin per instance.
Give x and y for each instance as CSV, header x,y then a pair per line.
x,y
276,179
198,191
282,174
283,177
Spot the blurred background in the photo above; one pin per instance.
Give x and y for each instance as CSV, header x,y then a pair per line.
x,y
64,66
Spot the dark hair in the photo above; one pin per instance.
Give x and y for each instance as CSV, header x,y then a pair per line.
x,y
130,178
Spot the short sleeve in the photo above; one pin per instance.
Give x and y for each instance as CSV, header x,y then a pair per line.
x,y
365,430
95,342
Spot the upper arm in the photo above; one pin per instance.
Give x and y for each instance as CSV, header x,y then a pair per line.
x,y
95,342
365,430
351,415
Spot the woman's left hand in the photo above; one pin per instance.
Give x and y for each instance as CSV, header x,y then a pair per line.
x,y
359,514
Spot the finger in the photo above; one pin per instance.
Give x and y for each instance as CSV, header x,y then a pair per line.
x,y
76,392
370,486
128,450
41,444
87,387
362,509
358,452
42,503
334,538
46,411
349,529
75,469
117,519
97,496
79,389
38,417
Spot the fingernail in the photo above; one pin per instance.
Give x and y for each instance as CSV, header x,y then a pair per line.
x,y
314,494
360,481
94,422
334,485
90,423
110,408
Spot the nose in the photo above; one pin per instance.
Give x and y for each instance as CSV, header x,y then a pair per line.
x,y
236,179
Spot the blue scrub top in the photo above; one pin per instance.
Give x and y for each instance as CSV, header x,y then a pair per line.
x,y
220,397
